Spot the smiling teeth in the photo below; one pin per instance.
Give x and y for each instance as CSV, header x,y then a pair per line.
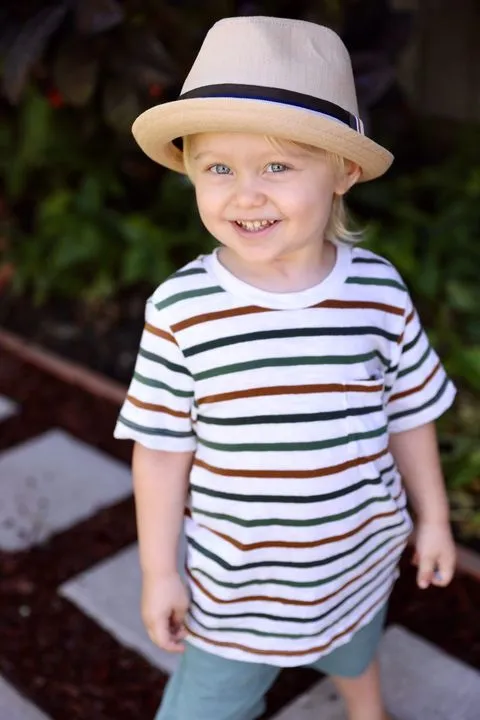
x,y
254,224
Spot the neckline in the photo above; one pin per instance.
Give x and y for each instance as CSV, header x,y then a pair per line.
x,y
282,301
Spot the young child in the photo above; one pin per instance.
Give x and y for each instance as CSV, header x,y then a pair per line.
x,y
283,387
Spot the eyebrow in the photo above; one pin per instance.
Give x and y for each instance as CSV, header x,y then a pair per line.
x,y
201,154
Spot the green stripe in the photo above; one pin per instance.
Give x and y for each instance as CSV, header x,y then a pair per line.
x,y
150,382
294,446
384,573
289,362
276,563
154,431
292,583
279,635
297,418
174,367
420,408
408,346
418,364
289,333
188,294
354,280
312,522
295,499
370,261
190,271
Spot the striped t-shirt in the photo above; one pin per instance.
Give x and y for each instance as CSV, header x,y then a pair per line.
x,y
296,515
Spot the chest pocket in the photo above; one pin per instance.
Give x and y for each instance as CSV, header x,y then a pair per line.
x,y
365,408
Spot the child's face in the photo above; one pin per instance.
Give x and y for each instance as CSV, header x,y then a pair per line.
x,y
264,203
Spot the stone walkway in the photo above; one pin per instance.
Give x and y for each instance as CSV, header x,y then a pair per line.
x,y
52,482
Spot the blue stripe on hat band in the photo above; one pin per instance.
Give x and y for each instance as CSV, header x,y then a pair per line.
x,y
279,95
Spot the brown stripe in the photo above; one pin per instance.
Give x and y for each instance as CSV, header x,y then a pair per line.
x,y
285,601
160,333
360,305
416,389
291,653
407,321
289,390
300,545
303,474
253,309
156,408
219,315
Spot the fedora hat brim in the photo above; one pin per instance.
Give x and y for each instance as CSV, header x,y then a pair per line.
x,y
156,129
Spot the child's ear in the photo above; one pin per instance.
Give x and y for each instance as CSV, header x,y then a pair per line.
x,y
347,178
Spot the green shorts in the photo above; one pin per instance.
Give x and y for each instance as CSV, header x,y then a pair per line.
x,y
209,687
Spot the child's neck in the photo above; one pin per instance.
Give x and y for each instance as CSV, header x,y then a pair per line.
x,y
285,274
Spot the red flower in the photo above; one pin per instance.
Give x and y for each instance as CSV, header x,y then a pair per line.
x,y
155,90
55,98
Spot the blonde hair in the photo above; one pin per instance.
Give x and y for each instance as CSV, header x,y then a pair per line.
x,y
339,226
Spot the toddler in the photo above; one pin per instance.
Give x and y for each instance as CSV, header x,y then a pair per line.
x,y
284,396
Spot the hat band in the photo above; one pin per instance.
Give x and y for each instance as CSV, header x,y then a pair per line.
x,y
278,95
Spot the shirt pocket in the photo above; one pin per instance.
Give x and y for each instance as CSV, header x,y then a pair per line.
x,y
365,409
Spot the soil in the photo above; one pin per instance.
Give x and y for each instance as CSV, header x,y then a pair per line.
x,y
64,661
104,337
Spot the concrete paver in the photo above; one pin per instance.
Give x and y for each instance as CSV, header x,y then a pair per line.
x,y
420,683
51,482
15,707
7,407
110,593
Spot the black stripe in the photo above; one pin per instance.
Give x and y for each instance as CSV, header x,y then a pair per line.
x,y
408,346
299,417
289,333
297,499
295,618
278,95
425,406
311,564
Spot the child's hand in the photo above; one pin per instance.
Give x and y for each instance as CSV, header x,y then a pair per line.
x,y
434,554
165,603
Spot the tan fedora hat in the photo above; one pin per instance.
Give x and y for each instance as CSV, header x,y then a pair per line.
x,y
285,78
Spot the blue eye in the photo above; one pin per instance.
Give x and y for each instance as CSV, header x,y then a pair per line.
x,y
219,169
277,167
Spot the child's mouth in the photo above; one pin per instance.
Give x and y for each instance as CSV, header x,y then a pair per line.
x,y
255,226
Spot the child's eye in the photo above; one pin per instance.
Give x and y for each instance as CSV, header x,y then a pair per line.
x,y
277,167
219,169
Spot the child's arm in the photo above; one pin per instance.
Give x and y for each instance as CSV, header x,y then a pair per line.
x,y
160,481
416,455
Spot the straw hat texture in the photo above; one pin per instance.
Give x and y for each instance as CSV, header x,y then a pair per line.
x,y
285,78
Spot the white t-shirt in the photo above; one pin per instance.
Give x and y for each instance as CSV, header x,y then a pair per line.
x,y
296,516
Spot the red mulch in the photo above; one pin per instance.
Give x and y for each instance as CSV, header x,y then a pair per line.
x,y
63,660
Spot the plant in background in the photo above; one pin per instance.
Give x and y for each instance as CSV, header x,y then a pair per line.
x,y
84,215
428,224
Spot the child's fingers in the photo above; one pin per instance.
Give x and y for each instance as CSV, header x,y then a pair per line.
x,y
444,571
162,634
426,569
177,625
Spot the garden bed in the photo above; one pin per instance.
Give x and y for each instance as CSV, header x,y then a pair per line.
x,y
62,659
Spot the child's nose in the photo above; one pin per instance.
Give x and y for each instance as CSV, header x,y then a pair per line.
x,y
248,193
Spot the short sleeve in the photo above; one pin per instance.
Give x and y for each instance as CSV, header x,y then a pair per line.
x,y
157,410
420,390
